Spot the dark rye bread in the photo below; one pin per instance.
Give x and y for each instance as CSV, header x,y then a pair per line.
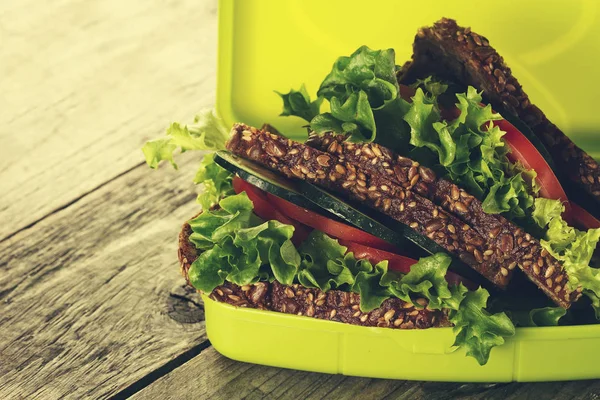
x,y
460,55
297,160
334,305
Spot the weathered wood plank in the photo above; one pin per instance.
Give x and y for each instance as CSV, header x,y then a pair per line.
x,y
91,298
210,375
84,83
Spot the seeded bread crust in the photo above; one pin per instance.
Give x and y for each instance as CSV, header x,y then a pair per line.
x,y
296,160
334,305
457,54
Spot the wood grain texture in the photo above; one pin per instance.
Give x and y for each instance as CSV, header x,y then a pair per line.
x,y
212,376
91,298
84,83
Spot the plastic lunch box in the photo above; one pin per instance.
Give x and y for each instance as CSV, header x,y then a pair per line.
x,y
266,45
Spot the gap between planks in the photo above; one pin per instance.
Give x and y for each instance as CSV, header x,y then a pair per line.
x,y
161,371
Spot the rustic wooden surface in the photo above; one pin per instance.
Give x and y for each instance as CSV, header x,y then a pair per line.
x,y
91,303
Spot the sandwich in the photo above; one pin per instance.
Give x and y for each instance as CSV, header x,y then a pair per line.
x,y
426,196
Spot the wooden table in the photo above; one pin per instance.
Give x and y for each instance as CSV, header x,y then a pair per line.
x,y
91,300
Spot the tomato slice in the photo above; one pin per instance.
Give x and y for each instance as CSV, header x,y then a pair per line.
x,y
524,151
329,226
395,262
269,206
266,211
583,219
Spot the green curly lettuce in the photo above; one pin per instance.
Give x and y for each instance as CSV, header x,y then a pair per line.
x,y
573,247
471,151
297,103
236,244
477,330
427,279
427,130
326,264
208,132
364,100
217,182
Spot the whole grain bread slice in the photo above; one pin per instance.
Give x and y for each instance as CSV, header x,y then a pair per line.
x,y
334,305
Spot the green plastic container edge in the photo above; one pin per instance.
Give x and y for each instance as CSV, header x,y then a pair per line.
x,y
304,343
533,354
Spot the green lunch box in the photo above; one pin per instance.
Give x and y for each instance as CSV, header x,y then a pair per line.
x,y
553,48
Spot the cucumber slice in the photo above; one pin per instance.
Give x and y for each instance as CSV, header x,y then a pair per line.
x,y
311,197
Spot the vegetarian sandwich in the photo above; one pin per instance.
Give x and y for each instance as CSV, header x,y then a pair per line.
x,y
425,196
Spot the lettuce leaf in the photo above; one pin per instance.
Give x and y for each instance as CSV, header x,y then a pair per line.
x,y
427,279
573,247
470,149
236,244
367,70
363,94
431,85
326,264
485,170
208,132
297,103
158,150
477,330
217,182
426,130
372,288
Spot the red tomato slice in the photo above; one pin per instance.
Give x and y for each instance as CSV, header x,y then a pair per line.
x,y
524,151
395,262
329,226
266,211
266,204
240,185
583,219
290,211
